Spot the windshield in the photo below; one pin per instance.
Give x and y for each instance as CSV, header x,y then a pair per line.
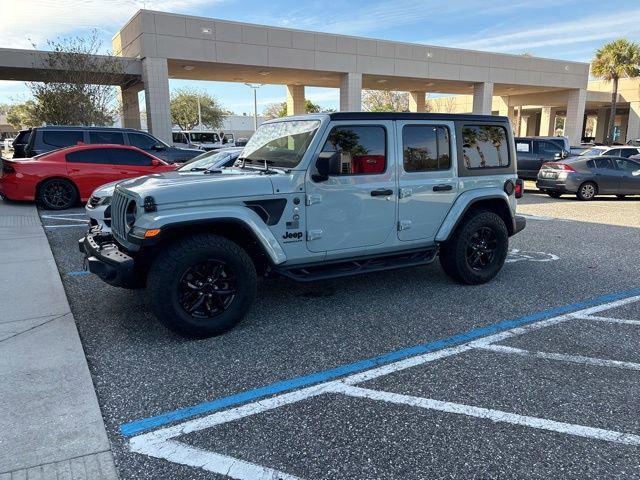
x,y
280,144
592,152
204,161
204,137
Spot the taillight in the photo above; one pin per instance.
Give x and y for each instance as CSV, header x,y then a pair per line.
x,y
7,169
519,188
566,168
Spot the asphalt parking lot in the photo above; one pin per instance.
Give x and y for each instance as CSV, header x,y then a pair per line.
x,y
401,375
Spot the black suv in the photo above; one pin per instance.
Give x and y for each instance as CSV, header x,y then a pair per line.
x,y
532,152
37,140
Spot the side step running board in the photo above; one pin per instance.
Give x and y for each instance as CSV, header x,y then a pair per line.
x,y
343,268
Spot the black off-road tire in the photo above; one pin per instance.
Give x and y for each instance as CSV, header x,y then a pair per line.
x,y
553,194
57,194
169,268
454,253
587,191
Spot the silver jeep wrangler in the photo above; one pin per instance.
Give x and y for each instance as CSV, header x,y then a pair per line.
x,y
315,197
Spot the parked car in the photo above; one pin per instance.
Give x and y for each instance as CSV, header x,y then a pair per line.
x,y
45,139
624,151
587,177
562,142
98,208
532,152
315,197
203,140
59,179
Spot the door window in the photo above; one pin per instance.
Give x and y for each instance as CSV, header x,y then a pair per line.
x,y
425,148
548,149
627,152
92,155
604,163
124,156
485,146
362,149
614,153
114,138
628,166
142,141
62,138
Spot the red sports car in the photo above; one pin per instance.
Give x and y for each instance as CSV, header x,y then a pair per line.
x,y
58,179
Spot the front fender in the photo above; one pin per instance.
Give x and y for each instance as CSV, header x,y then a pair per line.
x,y
466,201
203,215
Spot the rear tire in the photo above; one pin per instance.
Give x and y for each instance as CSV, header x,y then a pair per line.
x,y
477,251
587,191
201,285
57,194
554,194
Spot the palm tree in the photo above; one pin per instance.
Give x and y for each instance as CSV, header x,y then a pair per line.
x,y
617,59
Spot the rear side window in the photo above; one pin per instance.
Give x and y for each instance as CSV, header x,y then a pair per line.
x,y
363,149
142,141
614,153
523,146
627,152
425,148
485,146
93,155
62,138
603,163
22,138
547,148
114,138
124,156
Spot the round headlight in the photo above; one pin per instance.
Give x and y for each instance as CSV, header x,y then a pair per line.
x,y
130,214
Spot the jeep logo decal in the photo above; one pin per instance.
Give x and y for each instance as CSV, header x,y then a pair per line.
x,y
292,235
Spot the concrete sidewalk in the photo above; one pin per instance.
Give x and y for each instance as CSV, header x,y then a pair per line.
x,y
50,421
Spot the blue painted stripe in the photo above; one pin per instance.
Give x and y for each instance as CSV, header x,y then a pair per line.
x,y
138,426
80,273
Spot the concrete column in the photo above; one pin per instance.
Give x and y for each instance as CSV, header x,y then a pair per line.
x,y
130,108
155,75
574,120
351,92
633,124
548,121
601,124
295,100
482,97
417,101
506,110
524,125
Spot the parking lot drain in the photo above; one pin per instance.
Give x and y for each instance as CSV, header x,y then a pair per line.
x,y
138,426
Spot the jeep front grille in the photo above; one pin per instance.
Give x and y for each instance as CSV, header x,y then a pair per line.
x,y
122,207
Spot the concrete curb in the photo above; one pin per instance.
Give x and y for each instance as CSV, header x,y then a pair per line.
x,y
50,421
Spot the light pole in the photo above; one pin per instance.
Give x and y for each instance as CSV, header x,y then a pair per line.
x,y
255,87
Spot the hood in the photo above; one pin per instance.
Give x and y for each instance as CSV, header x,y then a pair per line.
x,y
173,187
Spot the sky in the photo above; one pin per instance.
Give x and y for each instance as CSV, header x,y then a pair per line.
x,y
567,30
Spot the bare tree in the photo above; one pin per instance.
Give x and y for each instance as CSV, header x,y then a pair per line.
x,y
385,101
73,89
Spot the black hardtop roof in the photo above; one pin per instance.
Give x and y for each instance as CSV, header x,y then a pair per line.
x,y
466,117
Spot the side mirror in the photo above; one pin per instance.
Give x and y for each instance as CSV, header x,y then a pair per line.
x,y
558,156
326,166
564,154
155,162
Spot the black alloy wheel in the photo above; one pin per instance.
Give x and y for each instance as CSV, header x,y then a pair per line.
x,y
207,289
57,194
481,248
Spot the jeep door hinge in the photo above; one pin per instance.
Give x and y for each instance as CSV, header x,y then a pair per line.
x,y
314,234
405,192
404,225
314,198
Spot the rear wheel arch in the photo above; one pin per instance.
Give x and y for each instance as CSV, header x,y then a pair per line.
x,y
497,205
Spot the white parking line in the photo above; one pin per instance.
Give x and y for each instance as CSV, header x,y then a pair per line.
x,y
161,443
598,362
75,225
610,320
493,415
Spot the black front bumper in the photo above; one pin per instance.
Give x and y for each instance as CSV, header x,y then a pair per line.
x,y
105,259
520,223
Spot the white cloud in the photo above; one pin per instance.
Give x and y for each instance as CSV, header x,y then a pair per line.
x,y
35,21
580,30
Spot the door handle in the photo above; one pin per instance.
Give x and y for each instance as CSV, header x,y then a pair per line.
x,y
381,192
442,188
